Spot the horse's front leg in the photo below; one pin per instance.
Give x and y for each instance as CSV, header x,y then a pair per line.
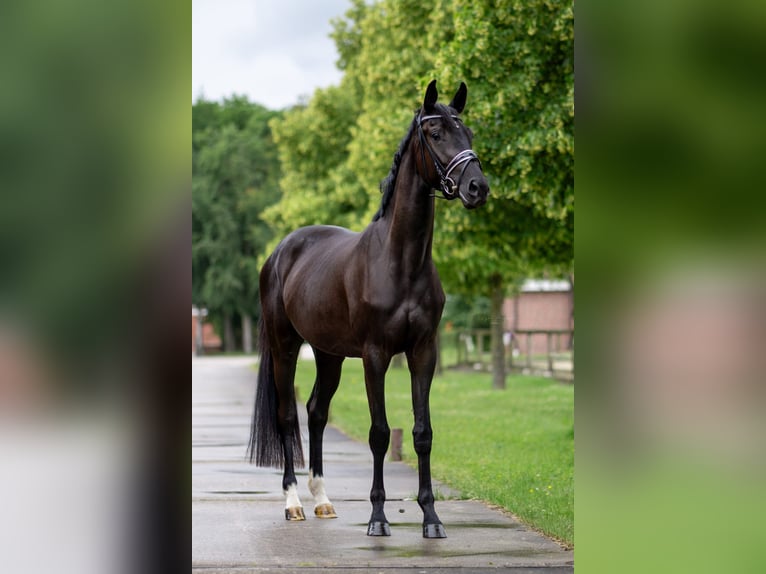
x,y
422,362
375,366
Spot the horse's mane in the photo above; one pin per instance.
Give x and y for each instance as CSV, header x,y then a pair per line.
x,y
389,182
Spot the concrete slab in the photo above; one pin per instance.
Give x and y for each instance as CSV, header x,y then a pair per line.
x,y
238,518
254,533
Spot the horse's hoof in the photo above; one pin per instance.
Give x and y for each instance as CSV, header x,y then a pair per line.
x,y
294,513
378,529
434,531
325,511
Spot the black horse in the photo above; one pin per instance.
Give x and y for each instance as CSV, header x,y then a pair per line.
x,y
371,295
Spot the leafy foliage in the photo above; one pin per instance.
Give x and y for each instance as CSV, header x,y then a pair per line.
x,y
235,175
394,63
312,144
336,150
466,312
518,61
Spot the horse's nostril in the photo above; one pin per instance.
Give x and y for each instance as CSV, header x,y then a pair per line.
x,y
478,187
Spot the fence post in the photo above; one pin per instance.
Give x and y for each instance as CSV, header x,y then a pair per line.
x,y
396,444
550,358
529,351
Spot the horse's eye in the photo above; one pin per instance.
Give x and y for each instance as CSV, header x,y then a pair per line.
x,y
436,135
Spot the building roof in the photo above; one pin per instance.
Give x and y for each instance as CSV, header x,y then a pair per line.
x,y
545,285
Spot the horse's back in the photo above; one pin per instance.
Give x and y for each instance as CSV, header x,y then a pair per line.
x,y
310,245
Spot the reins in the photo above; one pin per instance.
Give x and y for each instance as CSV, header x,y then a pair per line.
x,y
448,186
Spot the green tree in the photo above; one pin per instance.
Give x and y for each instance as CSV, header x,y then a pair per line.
x,y
393,64
335,150
518,61
235,175
312,143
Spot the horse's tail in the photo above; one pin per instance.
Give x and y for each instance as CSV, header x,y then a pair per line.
x,y
265,446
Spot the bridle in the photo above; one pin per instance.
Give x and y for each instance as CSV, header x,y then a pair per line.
x,y
447,185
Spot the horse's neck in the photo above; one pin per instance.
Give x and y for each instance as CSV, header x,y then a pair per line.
x,y
410,233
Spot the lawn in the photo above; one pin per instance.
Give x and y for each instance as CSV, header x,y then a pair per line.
x,y
513,448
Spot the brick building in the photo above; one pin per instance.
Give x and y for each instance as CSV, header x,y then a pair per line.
x,y
204,337
541,305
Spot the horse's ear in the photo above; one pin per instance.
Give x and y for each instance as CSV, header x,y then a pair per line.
x,y
458,102
431,95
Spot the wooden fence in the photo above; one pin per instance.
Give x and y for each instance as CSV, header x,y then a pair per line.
x,y
524,351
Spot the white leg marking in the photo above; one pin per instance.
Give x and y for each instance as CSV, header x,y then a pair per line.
x,y
291,495
316,486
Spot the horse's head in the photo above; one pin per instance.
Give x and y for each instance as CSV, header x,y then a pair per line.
x,y
446,159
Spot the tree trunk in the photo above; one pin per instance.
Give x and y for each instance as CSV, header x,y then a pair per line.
x,y
497,327
247,333
570,277
199,348
229,344
571,320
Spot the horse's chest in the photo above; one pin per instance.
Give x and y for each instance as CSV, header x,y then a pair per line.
x,y
418,309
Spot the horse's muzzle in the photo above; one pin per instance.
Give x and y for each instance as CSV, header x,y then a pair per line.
x,y
476,193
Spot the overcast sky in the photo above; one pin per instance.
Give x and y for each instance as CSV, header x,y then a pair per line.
x,y
273,51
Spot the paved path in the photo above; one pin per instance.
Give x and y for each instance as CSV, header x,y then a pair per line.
x,y
238,518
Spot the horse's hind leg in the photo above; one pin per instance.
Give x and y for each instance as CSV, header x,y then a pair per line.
x,y
328,377
281,342
287,417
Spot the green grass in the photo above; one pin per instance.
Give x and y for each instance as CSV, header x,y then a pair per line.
x,y
513,448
